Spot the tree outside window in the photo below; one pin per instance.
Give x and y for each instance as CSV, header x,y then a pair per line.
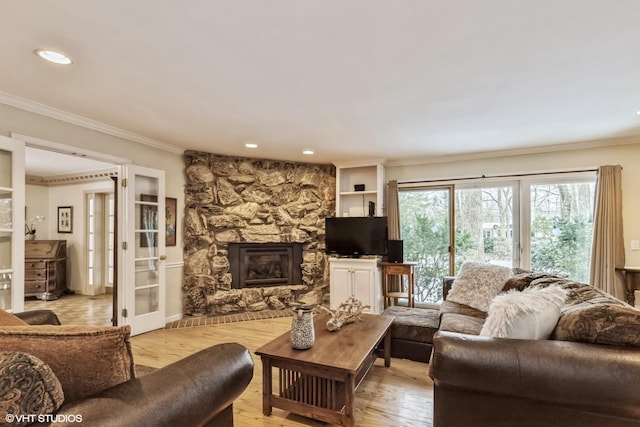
x,y
559,242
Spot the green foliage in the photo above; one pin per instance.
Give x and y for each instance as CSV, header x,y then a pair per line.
x,y
427,241
464,245
560,246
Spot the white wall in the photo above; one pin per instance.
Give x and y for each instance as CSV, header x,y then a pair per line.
x,y
37,203
626,154
15,120
74,196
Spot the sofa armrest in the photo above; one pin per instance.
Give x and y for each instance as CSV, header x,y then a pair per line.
x,y
447,282
39,317
191,391
556,372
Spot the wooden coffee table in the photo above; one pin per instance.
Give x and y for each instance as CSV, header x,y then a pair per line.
x,y
321,382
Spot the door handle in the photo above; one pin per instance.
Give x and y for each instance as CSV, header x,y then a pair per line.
x,y
163,257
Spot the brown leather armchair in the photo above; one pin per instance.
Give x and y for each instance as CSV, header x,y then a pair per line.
x,y
198,390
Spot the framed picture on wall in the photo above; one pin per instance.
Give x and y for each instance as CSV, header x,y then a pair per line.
x,y
171,220
65,219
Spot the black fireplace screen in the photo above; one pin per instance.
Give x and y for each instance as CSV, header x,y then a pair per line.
x,y
266,269
265,264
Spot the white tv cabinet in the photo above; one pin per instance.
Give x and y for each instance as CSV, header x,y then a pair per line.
x,y
359,277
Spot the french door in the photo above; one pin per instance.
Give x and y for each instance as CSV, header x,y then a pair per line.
x,y
12,196
143,249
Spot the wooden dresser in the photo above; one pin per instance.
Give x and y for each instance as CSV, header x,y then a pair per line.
x,y
45,269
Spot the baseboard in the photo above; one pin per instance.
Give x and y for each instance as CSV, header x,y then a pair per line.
x,y
173,318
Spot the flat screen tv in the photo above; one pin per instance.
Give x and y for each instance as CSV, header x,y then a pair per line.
x,y
356,236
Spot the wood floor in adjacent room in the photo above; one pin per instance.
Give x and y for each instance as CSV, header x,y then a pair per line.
x,y
401,395
76,309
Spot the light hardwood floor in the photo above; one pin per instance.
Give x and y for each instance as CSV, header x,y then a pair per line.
x,y
401,395
76,309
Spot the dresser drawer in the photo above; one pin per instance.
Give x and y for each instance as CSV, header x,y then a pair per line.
x,y
35,274
35,286
41,265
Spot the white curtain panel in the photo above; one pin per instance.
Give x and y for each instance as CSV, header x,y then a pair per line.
x,y
607,252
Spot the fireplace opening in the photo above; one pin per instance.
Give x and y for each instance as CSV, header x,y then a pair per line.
x,y
265,264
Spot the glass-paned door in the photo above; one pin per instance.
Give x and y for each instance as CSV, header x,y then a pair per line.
x,y
12,202
145,249
425,228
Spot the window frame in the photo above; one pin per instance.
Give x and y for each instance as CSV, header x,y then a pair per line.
x,y
526,183
521,204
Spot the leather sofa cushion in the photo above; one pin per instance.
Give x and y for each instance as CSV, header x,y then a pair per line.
x,y
455,317
453,307
86,359
28,387
462,323
413,324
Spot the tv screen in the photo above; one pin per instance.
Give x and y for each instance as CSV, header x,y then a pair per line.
x,y
356,236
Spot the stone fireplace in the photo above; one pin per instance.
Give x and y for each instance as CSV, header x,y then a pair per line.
x,y
258,265
237,207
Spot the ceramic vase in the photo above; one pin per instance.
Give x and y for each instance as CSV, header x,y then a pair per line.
x,y
303,335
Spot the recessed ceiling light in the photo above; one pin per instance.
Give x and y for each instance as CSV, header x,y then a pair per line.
x,y
638,113
249,145
53,56
308,152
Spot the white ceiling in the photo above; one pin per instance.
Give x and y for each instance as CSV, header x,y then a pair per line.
x,y
356,79
43,163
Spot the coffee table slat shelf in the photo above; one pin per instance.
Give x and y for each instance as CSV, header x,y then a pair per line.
x,y
318,383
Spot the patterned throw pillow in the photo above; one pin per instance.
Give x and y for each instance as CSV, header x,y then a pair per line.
x,y
522,281
530,314
612,324
477,284
28,387
86,359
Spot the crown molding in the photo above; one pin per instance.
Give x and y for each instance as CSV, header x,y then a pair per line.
x,y
74,119
583,145
72,178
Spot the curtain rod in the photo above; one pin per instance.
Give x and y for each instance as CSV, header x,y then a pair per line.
x,y
496,176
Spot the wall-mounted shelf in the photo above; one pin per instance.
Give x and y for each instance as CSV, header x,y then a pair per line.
x,y
357,193
356,203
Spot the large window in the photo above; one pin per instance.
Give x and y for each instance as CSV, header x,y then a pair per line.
x,y
541,224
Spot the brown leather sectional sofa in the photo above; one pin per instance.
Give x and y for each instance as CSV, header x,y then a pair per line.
x,y
484,381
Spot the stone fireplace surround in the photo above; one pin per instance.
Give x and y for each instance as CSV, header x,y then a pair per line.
x,y
244,200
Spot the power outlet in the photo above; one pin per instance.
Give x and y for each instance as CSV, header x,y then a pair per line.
x,y
635,245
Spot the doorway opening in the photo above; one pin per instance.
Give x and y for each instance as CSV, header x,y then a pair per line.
x,y
56,177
